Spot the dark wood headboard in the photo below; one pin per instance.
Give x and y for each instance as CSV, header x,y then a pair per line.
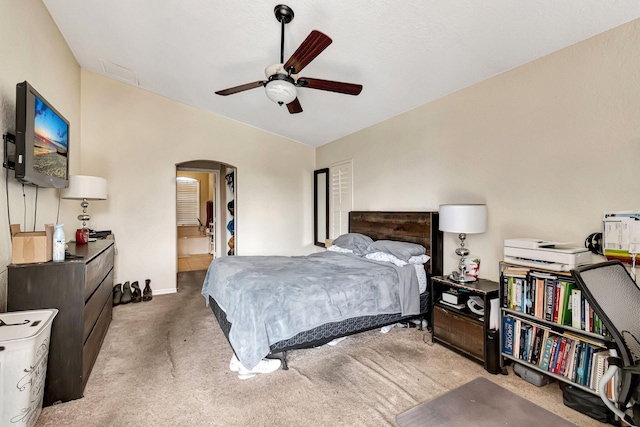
x,y
415,227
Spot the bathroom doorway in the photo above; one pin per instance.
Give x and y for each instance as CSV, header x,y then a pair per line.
x,y
205,208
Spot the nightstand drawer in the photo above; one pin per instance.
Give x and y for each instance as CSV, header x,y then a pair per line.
x,y
459,331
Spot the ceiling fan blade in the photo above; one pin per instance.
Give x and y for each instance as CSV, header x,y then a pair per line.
x,y
331,86
294,106
311,47
240,88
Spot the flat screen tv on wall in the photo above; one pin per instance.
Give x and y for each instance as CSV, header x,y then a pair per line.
x,y
42,140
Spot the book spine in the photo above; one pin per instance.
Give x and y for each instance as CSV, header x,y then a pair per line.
x,y
576,308
546,354
507,335
559,355
537,346
548,302
554,353
556,302
567,310
523,340
565,356
505,291
539,313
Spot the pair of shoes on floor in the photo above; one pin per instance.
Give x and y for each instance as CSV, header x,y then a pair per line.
x,y
124,294
147,294
121,294
264,367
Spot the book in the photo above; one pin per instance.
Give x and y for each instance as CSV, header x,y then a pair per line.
x,y
559,355
588,365
516,338
580,372
527,342
523,340
507,335
562,287
566,304
538,342
576,308
505,291
575,361
554,353
546,353
549,299
556,302
568,366
599,360
517,293
564,358
527,297
539,298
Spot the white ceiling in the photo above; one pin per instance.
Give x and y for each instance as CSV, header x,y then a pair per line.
x,y
405,53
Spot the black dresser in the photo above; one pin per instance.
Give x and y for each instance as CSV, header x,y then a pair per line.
x,y
81,289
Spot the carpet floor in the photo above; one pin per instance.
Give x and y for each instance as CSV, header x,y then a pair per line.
x,y
166,363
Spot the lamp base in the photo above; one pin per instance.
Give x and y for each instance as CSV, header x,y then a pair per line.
x,y
457,277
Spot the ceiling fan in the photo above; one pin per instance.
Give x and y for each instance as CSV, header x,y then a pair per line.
x,y
282,78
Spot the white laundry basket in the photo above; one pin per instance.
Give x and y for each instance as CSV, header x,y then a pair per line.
x,y
24,350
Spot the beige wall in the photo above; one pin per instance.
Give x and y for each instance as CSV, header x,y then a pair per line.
x,y
134,139
33,49
549,146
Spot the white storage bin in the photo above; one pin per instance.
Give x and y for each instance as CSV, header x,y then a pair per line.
x,y
24,350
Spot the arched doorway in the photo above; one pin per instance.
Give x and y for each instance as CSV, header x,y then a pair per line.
x,y
205,213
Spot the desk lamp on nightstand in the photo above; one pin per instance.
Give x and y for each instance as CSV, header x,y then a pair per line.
x,y
463,219
84,187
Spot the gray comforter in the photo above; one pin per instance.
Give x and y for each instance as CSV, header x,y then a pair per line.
x,y
271,298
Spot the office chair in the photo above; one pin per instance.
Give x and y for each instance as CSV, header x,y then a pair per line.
x,y
615,298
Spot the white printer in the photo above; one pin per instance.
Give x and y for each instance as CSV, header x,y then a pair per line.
x,y
545,254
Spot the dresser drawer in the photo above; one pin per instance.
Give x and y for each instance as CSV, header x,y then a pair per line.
x,y
94,341
459,331
95,304
96,271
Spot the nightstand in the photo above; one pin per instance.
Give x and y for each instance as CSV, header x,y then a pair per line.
x,y
456,326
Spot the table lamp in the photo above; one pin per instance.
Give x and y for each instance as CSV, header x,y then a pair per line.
x,y
463,219
85,188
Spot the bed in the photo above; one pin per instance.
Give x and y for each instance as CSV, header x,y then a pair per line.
x,y
419,228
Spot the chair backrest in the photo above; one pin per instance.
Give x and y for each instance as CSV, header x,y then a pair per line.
x,y
615,298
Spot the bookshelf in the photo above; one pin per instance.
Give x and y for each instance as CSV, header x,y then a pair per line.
x,y
548,326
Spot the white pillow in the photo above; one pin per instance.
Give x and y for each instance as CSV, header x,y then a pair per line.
x,y
386,257
334,248
419,259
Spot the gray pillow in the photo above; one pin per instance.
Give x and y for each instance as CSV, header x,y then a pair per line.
x,y
401,250
357,242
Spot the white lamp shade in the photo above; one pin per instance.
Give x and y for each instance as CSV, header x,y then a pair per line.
x,y
467,219
281,91
85,187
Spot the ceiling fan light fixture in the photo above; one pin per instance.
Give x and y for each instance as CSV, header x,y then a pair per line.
x,y
281,90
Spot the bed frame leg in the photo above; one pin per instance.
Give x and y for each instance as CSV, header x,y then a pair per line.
x,y
283,359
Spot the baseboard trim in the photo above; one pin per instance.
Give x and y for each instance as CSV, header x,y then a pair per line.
x,y
165,291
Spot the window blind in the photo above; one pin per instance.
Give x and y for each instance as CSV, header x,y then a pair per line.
x,y
341,197
187,201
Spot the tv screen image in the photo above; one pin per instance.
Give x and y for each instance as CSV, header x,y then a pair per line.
x,y
42,140
51,141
